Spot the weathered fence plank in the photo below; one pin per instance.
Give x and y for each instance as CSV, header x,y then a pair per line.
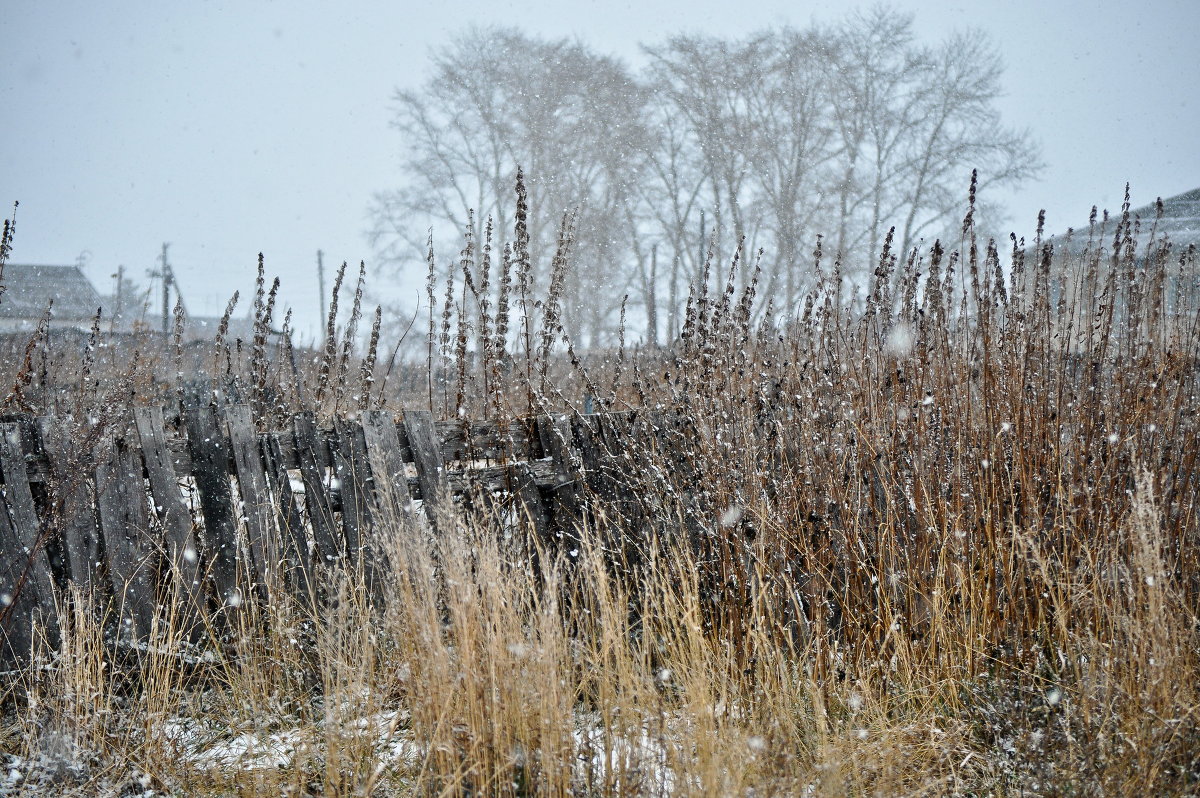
x,y
392,504
209,460
298,570
527,499
23,517
387,467
557,440
312,459
350,468
431,468
125,524
18,598
73,496
179,541
256,500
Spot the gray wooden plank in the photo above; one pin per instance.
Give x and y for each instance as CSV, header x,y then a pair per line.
x,y
125,525
311,457
18,600
209,461
24,520
298,568
387,467
585,432
353,476
431,468
392,508
256,499
179,541
528,499
72,491
557,440
616,475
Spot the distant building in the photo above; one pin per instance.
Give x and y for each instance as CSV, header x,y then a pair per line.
x,y
1180,221
1178,226
30,288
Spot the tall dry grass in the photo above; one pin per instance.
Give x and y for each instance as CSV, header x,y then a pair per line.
x,y
934,535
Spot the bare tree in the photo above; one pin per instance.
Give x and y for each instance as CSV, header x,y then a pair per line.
x,y
668,199
498,100
845,130
959,130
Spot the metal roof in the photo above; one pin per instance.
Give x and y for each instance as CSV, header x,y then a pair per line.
x,y
1180,223
1180,220
29,289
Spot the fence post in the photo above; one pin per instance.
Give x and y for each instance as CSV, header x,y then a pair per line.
x,y
74,497
182,553
431,469
252,484
31,550
125,522
210,468
313,458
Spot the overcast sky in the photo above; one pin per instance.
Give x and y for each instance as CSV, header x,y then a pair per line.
x,y
229,129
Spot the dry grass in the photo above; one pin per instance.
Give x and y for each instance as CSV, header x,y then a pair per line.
x,y
936,538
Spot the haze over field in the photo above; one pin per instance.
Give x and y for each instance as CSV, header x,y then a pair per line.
x,y
233,129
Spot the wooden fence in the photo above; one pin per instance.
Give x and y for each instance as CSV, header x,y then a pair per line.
x,y
199,506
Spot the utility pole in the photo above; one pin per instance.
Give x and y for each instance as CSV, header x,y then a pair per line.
x,y
118,311
652,299
321,282
167,279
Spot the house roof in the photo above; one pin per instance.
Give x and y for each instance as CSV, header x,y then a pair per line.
x,y
29,289
1180,222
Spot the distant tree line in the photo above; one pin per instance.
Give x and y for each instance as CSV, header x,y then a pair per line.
x,y
843,130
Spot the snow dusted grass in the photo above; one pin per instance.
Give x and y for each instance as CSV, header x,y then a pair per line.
x,y
475,681
941,539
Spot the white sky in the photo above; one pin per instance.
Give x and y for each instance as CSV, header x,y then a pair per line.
x,y
227,129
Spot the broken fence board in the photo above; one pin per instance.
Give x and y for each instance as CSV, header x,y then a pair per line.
x,y
296,555
209,459
312,459
73,496
431,468
31,555
125,524
256,498
178,538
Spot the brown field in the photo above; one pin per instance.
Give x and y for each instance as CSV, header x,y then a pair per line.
x,y
936,536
